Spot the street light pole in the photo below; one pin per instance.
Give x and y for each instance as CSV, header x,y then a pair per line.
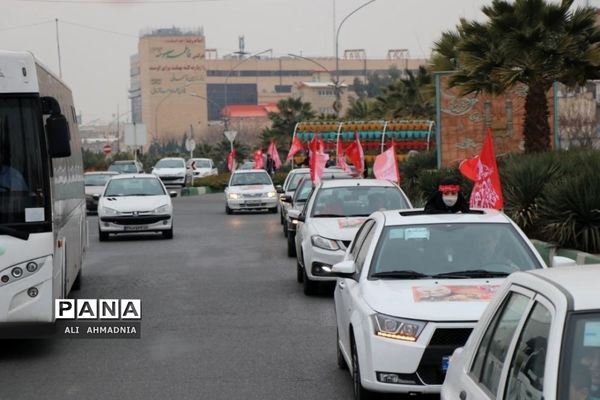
x,y
337,59
232,69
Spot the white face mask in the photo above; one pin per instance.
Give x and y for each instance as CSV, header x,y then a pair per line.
x,y
450,199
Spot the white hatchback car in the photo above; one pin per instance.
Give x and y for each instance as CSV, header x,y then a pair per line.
x,y
412,287
173,171
250,189
135,203
538,339
202,167
330,218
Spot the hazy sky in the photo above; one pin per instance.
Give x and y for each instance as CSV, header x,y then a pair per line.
x,y
98,36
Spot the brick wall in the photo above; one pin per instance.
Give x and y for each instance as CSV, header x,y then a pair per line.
x,y
463,121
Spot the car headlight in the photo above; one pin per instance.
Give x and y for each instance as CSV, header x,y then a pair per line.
x,y
109,211
162,209
271,194
233,196
397,328
324,243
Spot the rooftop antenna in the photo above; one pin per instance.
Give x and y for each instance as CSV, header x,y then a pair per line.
x,y
242,47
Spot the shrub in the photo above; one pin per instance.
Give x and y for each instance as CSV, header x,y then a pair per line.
x,y
570,211
215,182
524,179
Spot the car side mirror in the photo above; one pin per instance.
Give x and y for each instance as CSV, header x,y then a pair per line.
x,y
95,196
286,198
173,193
344,269
59,136
301,217
279,189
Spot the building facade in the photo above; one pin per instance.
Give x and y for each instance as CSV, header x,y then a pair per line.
x,y
182,88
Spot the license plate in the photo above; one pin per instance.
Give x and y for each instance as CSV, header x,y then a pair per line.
x,y
445,363
252,202
136,227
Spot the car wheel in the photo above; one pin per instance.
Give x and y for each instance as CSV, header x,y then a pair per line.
x,y
77,283
291,244
228,210
299,272
103,236
281,220
285,229
341,361
360,393
310,287
168,234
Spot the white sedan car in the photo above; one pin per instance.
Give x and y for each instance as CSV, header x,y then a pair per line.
x,y
538,339
330,219
202,167
412,287
173,171
250,189
135,203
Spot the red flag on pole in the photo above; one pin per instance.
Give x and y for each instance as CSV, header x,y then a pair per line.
x,y
341,156
318,159
386,165
294,148
258,159
487,192
272,150
355,152
231,160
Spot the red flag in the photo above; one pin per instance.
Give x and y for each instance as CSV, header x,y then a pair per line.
x,y
294,148
272,150
258,159
341,156
318,159
231,160
487,192
355,152
386,165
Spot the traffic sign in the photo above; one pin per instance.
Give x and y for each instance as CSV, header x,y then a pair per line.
x,y
190,144
107,149
230,135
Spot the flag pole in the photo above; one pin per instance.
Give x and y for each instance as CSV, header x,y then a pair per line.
x,y
293,136
337,140
383,136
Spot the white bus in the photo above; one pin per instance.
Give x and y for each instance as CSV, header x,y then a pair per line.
x,y
43,228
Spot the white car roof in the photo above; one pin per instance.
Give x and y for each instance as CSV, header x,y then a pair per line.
x,y
331,183
102,173
172,158
248,171
579,283
300,171
137,176
417,216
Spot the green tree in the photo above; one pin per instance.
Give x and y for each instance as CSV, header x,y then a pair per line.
x,y
290,112
526,41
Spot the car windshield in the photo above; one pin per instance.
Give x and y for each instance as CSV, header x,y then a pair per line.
x,y
203,164
356,201
579,377
123,168
134,187
294,180
250,178
458,250
97,179
170,164
303,190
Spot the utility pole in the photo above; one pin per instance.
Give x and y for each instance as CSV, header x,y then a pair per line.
x,y
118,135
58,48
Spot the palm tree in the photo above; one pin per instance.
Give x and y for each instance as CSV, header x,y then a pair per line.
x,y
359,110
290,112
530,42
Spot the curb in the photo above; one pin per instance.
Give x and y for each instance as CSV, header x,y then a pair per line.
x,y
580,257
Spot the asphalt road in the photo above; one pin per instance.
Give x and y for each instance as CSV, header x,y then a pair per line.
x,y
223,318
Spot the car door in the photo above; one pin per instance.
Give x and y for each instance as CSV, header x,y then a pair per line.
x,y
302,227
346,291
526,372
486,371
